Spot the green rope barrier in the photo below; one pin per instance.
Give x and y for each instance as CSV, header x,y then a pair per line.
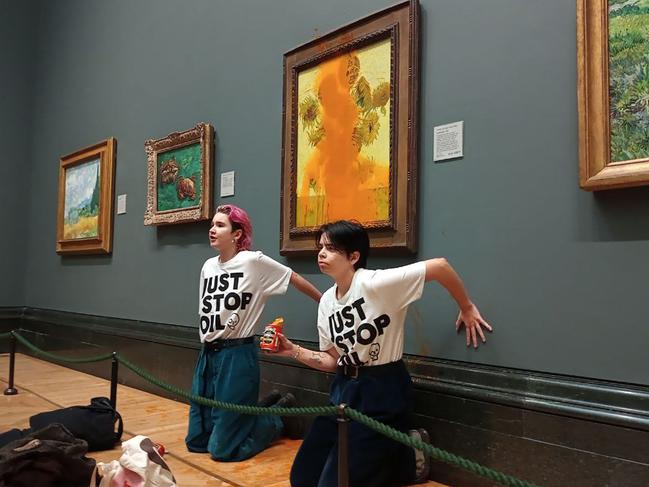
x,y
436,453
384,429
357,416
59,358
239,408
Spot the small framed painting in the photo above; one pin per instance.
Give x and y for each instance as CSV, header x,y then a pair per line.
x,y
85,202
179,179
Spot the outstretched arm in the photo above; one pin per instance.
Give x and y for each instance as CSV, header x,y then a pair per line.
x,y
305,287
441,271
325,361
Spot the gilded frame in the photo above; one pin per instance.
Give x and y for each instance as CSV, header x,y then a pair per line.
x,y
400,24
596,169
77,209
169,179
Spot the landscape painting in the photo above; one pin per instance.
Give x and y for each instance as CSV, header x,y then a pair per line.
x,y
82,186
628,24
84,222
613,93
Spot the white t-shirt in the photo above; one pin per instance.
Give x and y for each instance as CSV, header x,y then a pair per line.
x,y
232,295
366,324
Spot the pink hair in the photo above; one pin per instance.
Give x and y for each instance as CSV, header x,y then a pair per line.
x,y
239,220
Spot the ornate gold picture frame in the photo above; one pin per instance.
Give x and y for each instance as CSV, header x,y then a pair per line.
x,y
85,202
613,99
179,188
349,145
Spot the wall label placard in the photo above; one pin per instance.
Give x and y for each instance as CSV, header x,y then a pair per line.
x,y
448,141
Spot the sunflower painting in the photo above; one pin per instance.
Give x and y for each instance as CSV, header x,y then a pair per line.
x,y
343,138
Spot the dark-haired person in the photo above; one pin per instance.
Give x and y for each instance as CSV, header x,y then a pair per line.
x,y
361,326
234,288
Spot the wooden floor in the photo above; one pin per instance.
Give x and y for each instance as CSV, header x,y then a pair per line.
x,y
44,386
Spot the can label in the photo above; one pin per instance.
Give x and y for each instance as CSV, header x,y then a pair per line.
x,y
270,339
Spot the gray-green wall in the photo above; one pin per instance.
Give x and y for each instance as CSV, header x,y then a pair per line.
x,y
560,273
17,45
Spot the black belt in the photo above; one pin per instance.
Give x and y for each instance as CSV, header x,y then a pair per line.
x,y
216,345
353,371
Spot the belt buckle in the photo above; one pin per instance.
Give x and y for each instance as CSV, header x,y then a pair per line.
x,y
351,371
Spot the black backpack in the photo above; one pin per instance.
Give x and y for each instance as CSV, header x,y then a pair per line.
x,y
94,423
50,457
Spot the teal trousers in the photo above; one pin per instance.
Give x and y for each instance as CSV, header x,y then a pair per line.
x,y
229,375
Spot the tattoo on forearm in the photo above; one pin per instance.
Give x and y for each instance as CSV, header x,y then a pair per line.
x,y
315,356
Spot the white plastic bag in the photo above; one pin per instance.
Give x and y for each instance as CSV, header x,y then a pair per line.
x,y
139,466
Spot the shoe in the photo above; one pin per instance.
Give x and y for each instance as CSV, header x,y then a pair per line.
x,y
286,401
422,461
292,425
270,399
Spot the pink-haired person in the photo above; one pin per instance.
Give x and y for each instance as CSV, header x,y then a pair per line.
x,y
234,288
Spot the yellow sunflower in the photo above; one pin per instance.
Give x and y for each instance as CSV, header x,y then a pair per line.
x,y
381,94
353,69
316,135
367,130
363,94
309,111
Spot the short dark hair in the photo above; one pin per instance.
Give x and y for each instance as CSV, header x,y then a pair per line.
x,y
347,236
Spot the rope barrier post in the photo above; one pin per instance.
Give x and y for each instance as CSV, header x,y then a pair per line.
x,y
11,390
113,381
343,467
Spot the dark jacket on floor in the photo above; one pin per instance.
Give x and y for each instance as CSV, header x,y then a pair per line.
x,y
50,457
